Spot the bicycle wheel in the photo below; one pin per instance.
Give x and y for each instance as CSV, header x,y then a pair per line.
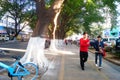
x,y
33,70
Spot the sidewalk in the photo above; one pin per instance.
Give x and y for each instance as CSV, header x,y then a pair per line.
x,y
65,66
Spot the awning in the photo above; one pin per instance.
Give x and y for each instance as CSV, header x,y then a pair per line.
x,y
2,29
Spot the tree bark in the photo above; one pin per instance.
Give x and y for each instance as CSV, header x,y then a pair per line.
x,y
46,17
43,19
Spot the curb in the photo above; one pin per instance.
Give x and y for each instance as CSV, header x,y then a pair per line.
x,y
112,61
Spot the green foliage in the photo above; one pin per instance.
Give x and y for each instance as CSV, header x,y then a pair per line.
x,y
111,4
20,11
33,21
78,15
108,48
48,3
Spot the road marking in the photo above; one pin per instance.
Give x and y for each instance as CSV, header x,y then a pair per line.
x,y
101,73
61,74
11,49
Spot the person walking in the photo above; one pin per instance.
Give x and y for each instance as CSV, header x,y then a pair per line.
x,y
84,44
99,46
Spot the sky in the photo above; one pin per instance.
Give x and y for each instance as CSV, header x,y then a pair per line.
x,y
118,9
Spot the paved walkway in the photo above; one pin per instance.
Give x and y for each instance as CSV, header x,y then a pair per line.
x,y
65,66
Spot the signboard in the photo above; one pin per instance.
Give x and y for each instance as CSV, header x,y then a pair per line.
x,y
114,32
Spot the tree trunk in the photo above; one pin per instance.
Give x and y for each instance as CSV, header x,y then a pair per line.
x,y
52,46
35,48
43,20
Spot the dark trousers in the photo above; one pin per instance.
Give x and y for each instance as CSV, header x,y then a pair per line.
x,y
83,58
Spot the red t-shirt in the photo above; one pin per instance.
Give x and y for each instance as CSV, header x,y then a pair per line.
x,y
84,44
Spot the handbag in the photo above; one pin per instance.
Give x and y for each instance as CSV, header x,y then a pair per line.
x,y
102,51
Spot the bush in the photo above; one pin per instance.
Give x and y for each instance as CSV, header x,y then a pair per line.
x,y
108,48
117,54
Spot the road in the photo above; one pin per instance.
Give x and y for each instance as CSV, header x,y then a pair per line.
x,y
65,65
7,58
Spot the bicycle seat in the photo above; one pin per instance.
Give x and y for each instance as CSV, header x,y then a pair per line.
x,y
16,57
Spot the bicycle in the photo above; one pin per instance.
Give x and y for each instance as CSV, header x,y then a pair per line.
x,y
27,71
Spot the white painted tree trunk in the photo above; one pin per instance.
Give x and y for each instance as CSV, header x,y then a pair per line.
x,y
55,44
52,45
35,52
53,41
60,42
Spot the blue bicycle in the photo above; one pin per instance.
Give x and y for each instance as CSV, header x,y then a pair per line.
x,y
27,71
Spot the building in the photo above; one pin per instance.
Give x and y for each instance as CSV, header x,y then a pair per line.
x,y
7,26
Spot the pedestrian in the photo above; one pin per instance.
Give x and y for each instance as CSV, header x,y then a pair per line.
x,y
47,43
84,44
66,41
99,46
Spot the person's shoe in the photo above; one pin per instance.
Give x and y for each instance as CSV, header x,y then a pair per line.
x,y
83,68
99,68
96,65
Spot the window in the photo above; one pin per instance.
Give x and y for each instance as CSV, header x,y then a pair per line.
x,y
105,39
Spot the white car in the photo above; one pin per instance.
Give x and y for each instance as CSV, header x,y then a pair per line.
x,y
110,41
107,43
4,37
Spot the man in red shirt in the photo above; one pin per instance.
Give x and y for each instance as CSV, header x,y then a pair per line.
x,y
84,44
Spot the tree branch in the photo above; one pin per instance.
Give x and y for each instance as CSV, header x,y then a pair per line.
x,y
57,5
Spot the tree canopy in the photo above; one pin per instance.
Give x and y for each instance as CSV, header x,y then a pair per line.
x,y
75,16
78,15
20,12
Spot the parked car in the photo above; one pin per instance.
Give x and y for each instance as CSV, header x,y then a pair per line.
x,y
110,41
4,37
107,43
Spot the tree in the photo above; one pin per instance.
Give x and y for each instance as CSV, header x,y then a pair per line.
x,y
18,12
110,4
46,16
80,14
